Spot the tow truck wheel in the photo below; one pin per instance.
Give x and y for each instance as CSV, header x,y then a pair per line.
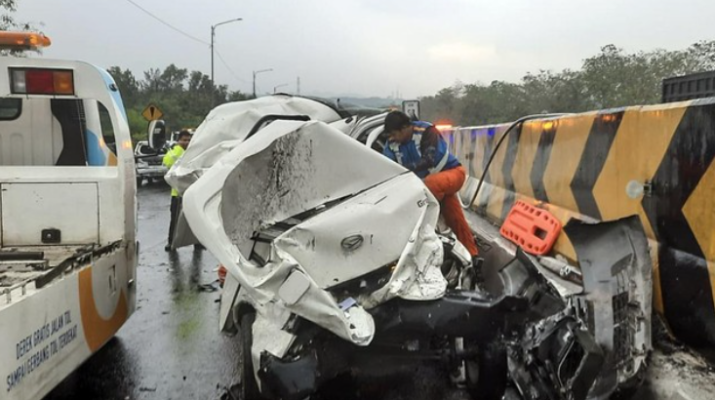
x,y
248,386
486,375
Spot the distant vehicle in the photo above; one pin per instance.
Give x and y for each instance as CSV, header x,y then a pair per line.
x,y
688,87
149,163
68,248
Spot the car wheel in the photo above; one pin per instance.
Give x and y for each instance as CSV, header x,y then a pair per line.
x,y
248,386
486,375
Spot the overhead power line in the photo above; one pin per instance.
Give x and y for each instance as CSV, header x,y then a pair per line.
x,y
225,64
167,24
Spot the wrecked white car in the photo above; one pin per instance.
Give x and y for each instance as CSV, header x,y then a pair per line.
x,y
336,264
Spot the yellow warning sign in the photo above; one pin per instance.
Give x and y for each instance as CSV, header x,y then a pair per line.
x,y
152,112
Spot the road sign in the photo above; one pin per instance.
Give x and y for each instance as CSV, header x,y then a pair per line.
x,y
411,108
152,113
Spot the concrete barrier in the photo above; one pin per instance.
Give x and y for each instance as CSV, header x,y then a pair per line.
x,y
652,161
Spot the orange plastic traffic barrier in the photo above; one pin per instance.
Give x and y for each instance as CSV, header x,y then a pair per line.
x,y
533,229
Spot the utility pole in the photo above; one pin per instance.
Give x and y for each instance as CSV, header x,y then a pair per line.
x,y
254,79
213,35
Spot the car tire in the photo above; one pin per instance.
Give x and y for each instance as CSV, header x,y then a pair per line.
x,y
487,375
248,385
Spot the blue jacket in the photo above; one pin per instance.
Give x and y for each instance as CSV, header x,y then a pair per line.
x,y
425,154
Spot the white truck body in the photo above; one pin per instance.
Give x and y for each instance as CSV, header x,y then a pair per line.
x,y
68,249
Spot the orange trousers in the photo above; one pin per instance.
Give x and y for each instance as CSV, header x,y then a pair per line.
x,y
444,186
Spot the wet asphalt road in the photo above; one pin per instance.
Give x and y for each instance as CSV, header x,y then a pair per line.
x,y
171,347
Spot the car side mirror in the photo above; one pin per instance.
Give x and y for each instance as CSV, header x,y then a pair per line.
x,y
156,134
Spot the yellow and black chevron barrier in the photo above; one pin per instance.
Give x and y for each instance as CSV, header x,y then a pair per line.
x,y
653,161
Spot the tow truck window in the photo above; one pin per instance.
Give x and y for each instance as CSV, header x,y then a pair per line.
x,y
10,109
56,132
107,128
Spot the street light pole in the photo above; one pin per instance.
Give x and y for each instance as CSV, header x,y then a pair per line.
x,y
213,34
254,79
275,88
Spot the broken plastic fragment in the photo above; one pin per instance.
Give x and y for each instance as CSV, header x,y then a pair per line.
x,y
347,303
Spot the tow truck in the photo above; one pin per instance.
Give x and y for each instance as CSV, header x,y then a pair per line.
x,y
68,210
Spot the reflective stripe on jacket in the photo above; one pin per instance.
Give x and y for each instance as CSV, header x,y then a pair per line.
x,y
170,158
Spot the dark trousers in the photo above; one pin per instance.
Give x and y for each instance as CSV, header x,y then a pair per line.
x,y
175,209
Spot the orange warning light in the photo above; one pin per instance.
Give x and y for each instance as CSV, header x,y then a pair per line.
x,y
443,127
23,41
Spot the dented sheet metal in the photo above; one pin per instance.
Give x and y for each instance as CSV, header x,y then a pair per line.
x,y
290,170
599,340
617,279
293,174
228,125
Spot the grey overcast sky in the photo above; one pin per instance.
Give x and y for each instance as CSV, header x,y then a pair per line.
x,y
364,47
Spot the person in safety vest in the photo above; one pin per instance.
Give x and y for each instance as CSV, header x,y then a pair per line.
x,y
419,147
169,159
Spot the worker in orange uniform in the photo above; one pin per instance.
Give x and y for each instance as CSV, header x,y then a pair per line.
x,y
419,147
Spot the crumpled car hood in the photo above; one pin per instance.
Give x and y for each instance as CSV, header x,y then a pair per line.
x,y
289,169
295,172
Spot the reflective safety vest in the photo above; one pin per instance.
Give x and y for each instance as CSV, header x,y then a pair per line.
x,y
410,155
170,158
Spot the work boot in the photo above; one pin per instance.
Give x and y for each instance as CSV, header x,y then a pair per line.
x,y
199,247
167,247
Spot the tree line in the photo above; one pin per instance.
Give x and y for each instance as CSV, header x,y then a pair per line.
x,y
184,97
611,78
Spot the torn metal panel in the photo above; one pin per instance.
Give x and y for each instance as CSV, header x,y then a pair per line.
x,y
183,236
229,294
564,287
227,125
268,335
617,277
415,275
606,344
